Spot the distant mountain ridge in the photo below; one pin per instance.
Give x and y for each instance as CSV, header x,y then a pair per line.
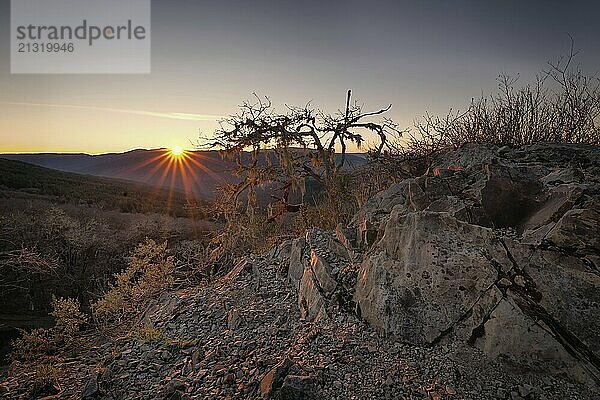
x,y
200,175
152,167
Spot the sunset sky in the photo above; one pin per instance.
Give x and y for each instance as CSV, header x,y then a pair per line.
x,y
209,56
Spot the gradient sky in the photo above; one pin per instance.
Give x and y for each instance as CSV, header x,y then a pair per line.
x,y
208,56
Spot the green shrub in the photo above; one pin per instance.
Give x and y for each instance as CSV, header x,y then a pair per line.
x,y
33,344
68,318
149,334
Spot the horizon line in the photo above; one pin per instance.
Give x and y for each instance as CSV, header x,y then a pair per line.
x,y
117,152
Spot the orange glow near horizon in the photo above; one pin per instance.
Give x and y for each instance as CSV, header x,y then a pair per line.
x,y
177,167
179,172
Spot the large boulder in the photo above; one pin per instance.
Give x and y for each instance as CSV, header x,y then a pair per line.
x,y
498,250
493,193
426,273
519,339
432,277
568,297
558,201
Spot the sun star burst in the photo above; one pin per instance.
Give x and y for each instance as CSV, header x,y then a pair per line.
x,y
176,151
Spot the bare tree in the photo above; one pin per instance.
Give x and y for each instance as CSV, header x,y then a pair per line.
x,y
286,149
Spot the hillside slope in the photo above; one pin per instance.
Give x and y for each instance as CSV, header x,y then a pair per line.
x,y
477,280
111,194
150,167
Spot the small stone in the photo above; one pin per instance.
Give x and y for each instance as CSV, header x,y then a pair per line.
x,y
297,387
90,390
525,390
503,150
233,319
197,355
520,281
171,388
515,396
274,378
504,282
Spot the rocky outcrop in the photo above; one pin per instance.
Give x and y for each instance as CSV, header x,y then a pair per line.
x,y
499,252
427,273
321,269
494,248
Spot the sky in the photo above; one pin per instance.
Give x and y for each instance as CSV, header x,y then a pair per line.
x,y
208,56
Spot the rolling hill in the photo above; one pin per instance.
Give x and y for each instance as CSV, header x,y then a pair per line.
x,y
151,167
106,193
203,172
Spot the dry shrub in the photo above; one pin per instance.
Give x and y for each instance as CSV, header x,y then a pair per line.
x,y
326,215
149,334
246,229
31,345
252,229
383,170
242,234
22,269
48,341
149,273
336,206
279,153
562,105
57,222
45,381
68,318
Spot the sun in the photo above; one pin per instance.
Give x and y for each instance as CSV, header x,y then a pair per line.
x,y
176,151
